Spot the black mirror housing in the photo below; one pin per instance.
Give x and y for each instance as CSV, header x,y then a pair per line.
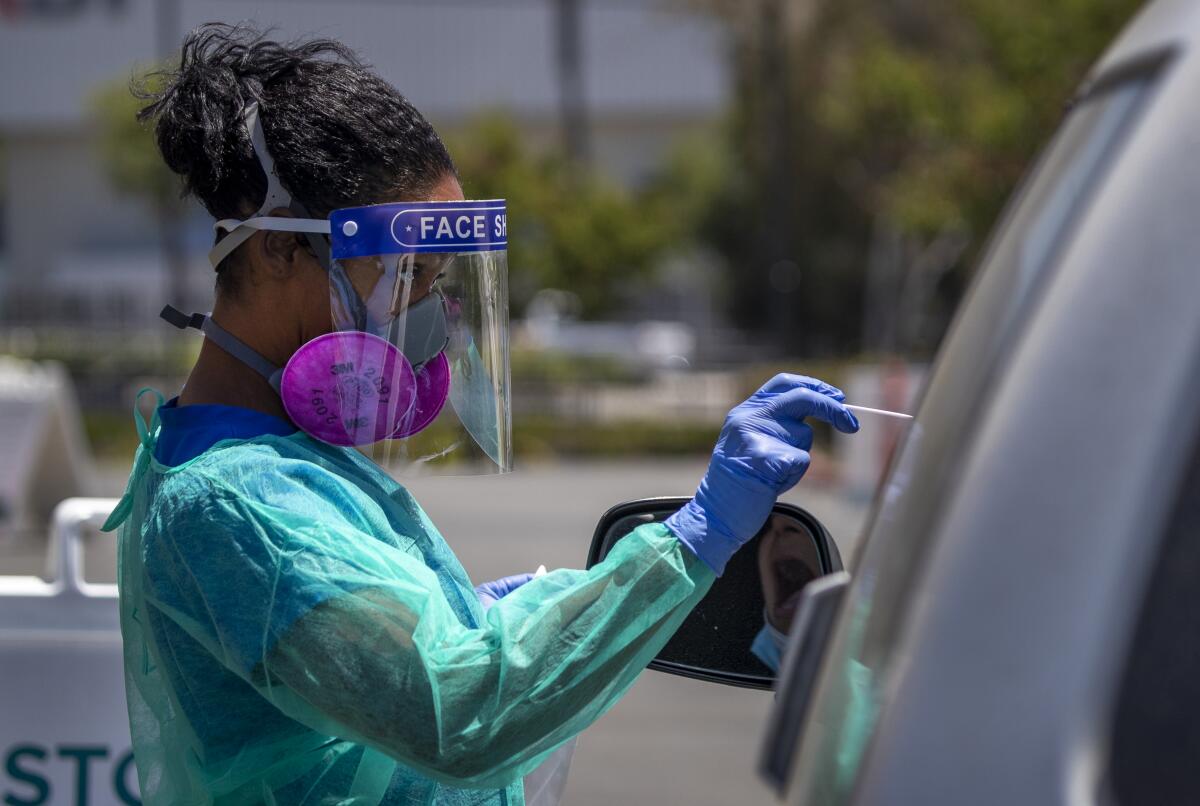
x,y
758,591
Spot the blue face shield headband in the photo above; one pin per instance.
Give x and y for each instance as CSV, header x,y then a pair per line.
x,y
418,297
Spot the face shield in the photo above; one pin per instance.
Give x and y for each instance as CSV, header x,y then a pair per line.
x,y
415,372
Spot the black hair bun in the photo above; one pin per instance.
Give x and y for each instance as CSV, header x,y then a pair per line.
x,y
340,136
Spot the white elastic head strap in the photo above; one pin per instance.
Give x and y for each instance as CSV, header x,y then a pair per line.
x,y
240,231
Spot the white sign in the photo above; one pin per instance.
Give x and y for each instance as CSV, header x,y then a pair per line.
x,y
64,729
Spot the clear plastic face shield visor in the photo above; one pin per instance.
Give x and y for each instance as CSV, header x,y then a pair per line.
x,y
415,373
416,370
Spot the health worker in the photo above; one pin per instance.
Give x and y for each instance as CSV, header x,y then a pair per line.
x,y
296,631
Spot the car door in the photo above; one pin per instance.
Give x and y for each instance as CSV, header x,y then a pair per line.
x,y
976,653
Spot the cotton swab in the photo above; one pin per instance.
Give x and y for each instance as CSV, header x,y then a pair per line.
x,y
863,409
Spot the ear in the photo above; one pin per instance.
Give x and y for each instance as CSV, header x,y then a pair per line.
x,y
279,251
281,254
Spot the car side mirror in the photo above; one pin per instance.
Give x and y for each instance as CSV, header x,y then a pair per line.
x,y
737,633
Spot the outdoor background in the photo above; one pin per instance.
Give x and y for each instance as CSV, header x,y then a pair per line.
x,y
701,193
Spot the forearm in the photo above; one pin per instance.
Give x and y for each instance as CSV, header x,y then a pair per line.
x,y
478,707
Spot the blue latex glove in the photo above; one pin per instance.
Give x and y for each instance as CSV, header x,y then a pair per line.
x,y
491,592
761,453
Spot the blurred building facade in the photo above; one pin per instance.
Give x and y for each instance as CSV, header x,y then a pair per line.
x,y
75,251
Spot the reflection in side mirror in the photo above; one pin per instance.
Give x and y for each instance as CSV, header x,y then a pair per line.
x,y
737,633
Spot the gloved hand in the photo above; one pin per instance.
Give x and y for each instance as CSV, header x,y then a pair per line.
x,y
491,592
761,453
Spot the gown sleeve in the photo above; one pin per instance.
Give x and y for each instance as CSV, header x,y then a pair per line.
x,y
355,638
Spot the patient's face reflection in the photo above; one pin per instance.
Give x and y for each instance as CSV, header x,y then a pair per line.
x,y
786,563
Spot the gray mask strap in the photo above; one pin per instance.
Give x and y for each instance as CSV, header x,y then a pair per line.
x,y
276,196
226,341
316,241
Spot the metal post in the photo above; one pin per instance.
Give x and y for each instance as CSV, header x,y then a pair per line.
x,y
779,197
170,210
572,101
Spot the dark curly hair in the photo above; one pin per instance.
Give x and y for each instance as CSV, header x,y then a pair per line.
x,y
340,135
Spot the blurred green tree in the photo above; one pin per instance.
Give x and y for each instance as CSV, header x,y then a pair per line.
x,y
130,156
881,137
127,147
569,228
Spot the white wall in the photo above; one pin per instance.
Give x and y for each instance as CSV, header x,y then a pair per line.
x,y
59,200
650,76
450,58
